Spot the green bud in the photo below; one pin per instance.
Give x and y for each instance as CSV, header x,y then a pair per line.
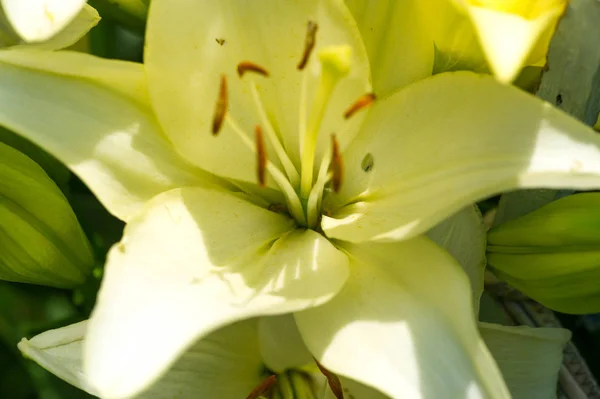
x,y
553,254
41,241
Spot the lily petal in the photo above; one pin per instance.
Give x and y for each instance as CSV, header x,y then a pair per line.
x,y
281,345
226,364
403,324
509,32
73,105
195,260
529,358
212,39
463,235
87,18
38,20
480,35
485,138
400,51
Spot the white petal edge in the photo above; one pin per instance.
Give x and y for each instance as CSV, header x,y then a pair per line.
x,y
448,141
111,141
403,325
39,20
224,365
193,261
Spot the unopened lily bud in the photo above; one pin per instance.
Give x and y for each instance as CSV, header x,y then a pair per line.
x,y
41,241
553,253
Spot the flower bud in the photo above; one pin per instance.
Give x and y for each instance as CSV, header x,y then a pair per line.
x,y
41,241
553,253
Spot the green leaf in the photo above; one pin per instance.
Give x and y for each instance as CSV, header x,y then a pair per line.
x,y
41,241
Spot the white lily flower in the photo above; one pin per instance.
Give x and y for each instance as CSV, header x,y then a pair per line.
x,y
335,235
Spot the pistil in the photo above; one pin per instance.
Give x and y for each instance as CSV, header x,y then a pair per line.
x,y
335,64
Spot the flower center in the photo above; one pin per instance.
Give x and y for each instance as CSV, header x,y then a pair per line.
x,y
302,188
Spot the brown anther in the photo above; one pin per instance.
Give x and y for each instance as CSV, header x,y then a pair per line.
x,y
332,380
363,101
221,107
220,41
247,66
309,44
261,157
337,164
263,388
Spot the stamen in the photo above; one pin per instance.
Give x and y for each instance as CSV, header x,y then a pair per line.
x,y
309,44
332,380
316,193
261,157
263,388
293,202
286,162
221,107
337,164
363,101
247,66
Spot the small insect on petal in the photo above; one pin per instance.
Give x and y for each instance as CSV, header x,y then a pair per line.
x,y
363,101
221,107
263,388
261,157
332,380
247,66
309,44
337,164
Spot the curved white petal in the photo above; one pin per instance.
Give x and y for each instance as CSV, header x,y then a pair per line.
x,y
448,141
89,113
400,50
192,43
83,22
403,324
529,358
281,345
226,364
463,235
38,20
193,261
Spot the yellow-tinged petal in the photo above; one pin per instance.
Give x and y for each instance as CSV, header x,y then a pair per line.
x,y
529,358
400,51
403,324
212,38
502,35
226,364
281,345
81,109
38,20
509,34
463,235
484,138
193,261
41,241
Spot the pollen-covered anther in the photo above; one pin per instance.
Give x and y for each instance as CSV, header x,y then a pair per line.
x,y
332,380
247,66
361,102
309,44
221,107
337,164
263,388
261,156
